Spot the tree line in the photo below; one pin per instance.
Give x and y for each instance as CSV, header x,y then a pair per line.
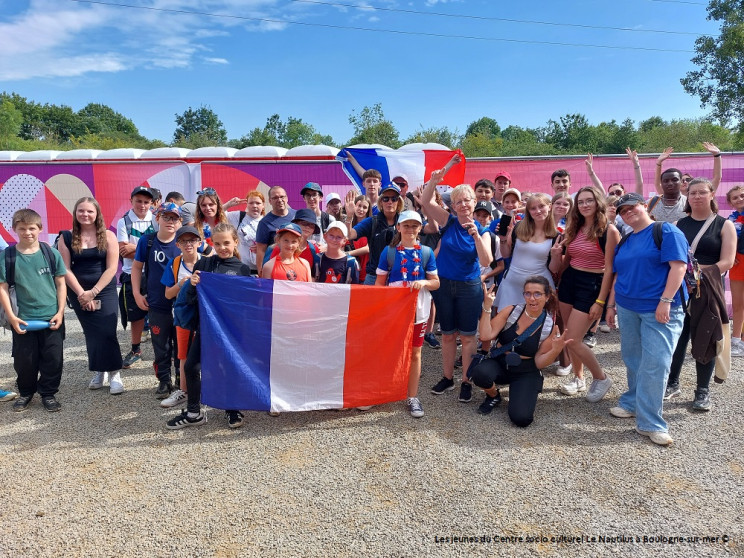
x,y
26,125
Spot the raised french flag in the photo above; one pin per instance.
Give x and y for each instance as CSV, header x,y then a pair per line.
x,y
416,165
294,346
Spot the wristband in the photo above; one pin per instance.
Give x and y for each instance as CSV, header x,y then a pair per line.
x,y
610,307
486,309
600,302
717,155
667,300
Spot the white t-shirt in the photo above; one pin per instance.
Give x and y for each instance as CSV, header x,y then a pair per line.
x,y
140,227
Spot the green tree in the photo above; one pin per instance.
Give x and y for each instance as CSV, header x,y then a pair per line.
x,y
287,134
443,135
98,118
370,126
719,81
10,120
485,126
199,128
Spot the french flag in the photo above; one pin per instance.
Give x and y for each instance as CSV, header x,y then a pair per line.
x,y
416,166
294,346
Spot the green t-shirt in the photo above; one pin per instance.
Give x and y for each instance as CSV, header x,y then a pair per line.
x,y
34,285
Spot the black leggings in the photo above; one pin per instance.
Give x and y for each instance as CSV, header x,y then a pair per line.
x,y
704,371
525,383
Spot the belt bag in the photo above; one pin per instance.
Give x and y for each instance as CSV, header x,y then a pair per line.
x,y
513,359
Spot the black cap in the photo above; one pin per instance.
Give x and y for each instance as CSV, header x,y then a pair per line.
x,y
142,190
188,229
484,205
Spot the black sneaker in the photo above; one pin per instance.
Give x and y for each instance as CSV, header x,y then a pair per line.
x,y
234,419
445,384
164,390
466,392
702,400
22,403
590,340
432,341
489,403
183,420
51,404
131,358
672,390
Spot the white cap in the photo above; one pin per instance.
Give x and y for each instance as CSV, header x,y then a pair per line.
x,y
332,196
340,226
409,216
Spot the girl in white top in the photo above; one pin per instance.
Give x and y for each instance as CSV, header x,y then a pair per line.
x,y
255,209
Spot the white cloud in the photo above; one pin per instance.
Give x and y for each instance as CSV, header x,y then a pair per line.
x,y
216,60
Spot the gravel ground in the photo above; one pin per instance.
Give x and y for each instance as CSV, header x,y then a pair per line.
x,y
105,478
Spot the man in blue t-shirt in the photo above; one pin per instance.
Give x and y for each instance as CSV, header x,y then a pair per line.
x,y
154,251
280,214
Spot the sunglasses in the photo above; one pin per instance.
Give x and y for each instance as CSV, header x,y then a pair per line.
x,y
207,192
616,193
390,198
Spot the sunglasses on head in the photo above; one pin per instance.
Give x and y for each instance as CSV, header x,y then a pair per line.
x,y
390,198
207,192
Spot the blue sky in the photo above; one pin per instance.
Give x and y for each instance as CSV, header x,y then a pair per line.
x,y
151,64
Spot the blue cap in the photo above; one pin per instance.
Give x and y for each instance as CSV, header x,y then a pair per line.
x,y
391,186
312,186
307,215
169,207
290,227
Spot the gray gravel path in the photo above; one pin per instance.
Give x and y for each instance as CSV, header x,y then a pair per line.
x,y
105,478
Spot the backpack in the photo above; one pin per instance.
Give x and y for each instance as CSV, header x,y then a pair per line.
x,y
10,254
426,253
350,261
185,313
692,272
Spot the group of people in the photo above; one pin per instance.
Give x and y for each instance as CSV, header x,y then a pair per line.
x,y
520,281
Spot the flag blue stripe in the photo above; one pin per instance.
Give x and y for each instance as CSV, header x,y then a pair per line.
x,y
235,319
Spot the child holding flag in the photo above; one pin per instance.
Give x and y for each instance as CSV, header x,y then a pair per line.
x,y
406,263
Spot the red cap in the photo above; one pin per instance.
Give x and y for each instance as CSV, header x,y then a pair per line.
x,y
504,174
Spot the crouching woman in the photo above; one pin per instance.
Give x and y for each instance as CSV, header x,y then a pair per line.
x,y
526,341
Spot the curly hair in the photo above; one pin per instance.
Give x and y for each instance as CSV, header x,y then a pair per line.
x,y
221,216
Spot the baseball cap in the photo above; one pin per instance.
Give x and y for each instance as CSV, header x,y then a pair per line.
x,y
169,207
340,226
290,227
391,186
514,192
409,216
332,196
141,190
504,174
312,186
188,229
629,199
307,215
483,205
402,177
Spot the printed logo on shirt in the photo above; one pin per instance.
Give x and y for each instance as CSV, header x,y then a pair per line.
x,y
45,271
159,256
332,277
291,275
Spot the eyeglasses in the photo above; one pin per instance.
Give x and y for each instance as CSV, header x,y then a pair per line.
x,y
535,295
463,201
698,193
191,241
207,192
275,198
390,198
616,193
590,201
170,218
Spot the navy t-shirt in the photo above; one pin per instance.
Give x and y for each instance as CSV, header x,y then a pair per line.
x,y
268,224
157,260
382,236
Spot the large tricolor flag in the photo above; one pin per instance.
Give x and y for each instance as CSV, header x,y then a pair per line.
x,y
417,166
293,346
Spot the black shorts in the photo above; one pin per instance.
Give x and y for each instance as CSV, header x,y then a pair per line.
x,y
127,304
579,288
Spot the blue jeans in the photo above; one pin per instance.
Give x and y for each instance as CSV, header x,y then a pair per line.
x,y
458,305
369,279
647,347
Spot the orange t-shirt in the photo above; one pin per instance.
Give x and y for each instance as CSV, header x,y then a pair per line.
x,y
290,272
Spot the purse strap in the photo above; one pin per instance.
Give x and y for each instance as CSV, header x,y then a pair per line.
x,y
537,324
701,232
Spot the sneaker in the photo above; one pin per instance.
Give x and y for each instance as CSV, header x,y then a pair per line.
x,y
574,386
22,403
183,420
164,390
620,412
658,438
98,380
598,389
466,392
51,404
590,340
604,327
116,387
145,335
737,348
672,390
177,397
563,370
274,413
131,358
458,362
489,403
234,419
702,400
7,395
414,406
364,408
445,384
432,341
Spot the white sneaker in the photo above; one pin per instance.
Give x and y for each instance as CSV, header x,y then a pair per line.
x,y
658,438
598,389
604,327
177,397
563,370
574,386
414,405
621,412
737,348
116,387
98,380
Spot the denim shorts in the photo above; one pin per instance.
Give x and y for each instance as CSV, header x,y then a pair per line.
x,y
458,305
579,288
